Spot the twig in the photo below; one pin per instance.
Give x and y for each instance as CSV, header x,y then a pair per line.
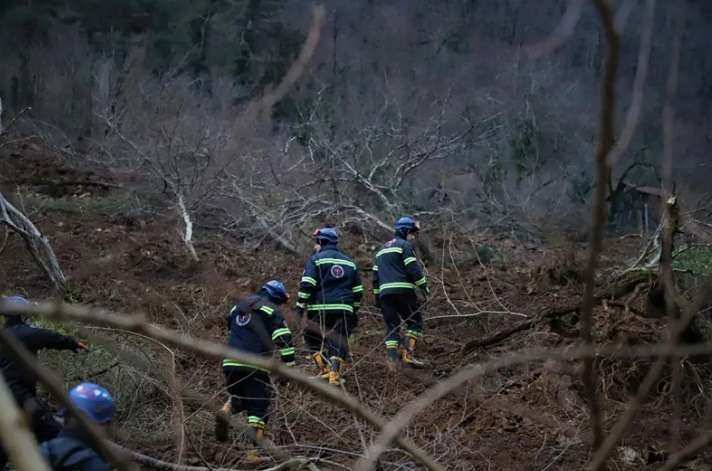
x,y
19,354
697,445
137,324
474,371
293,463
599,211
677,327
17,438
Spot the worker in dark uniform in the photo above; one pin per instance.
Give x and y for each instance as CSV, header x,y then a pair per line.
x,y
256,326
20,382
72,450
330,292
396,276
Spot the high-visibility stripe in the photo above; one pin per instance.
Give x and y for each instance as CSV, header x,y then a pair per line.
x,y
267,310
389,250
357,289
357,304
395,285
414,333
235,363
303,295
376,290
392,343
309,279
409,260
287,351
331,307
280,332
301,305
334,261
255,421
421,282
375,268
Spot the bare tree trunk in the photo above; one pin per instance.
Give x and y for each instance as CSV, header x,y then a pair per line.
x,y
1,128
188,233
36,242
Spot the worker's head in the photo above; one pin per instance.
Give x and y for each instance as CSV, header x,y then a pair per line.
x,y
325,236
94,400
406,227
12,301
275,291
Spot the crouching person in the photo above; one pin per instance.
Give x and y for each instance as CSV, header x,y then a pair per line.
x,y
71,449
256,326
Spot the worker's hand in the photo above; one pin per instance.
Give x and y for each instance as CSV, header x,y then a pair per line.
x,y
80,347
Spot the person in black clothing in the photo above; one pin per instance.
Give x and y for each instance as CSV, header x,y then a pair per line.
x,y
257,327
396,275
22,384
71,450
330,292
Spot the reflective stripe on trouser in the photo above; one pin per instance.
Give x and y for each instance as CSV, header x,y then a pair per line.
x,y
328,332
400,309
250,389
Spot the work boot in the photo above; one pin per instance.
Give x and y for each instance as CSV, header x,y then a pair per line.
x,y
408,354
335,371
222,422
322,365
253,455
392,359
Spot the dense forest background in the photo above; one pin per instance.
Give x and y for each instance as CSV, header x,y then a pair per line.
x,y
406,106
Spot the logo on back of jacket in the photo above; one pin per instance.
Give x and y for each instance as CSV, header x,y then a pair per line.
x,y
337,271
242,319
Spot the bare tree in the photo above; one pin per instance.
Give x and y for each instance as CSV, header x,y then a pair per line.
x,y
37,243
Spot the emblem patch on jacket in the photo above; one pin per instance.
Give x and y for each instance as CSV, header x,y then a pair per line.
x,y
337,271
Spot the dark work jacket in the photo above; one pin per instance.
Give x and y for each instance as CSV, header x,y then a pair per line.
x,y
258,327
22,384
330,282
70,451
397,270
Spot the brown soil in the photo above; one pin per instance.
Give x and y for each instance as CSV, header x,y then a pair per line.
x,y
520,418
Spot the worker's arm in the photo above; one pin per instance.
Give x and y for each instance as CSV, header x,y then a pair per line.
x,y
412,268
37,339
357,289
282,337
307,285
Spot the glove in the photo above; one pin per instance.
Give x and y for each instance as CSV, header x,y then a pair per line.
x,y
80,347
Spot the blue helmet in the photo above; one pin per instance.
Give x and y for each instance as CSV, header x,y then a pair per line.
x,y
94,400
326,235
407,225
15,300
276,291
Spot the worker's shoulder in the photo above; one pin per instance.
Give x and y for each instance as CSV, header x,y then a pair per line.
x,y
324,256
395,243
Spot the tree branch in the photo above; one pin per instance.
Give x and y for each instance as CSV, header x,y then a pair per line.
x,y
17,438
60,311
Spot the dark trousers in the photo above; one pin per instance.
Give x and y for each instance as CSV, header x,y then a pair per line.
x,y
398,309
44,426
329,331
250,390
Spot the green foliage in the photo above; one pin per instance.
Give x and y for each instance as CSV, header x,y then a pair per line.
x,y
695,260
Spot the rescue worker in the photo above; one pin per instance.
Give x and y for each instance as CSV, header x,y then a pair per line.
x,y
72,449
21,383
396,275
330,292
256,326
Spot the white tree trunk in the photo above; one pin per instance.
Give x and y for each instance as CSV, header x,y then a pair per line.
x,y
37,243
188,232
